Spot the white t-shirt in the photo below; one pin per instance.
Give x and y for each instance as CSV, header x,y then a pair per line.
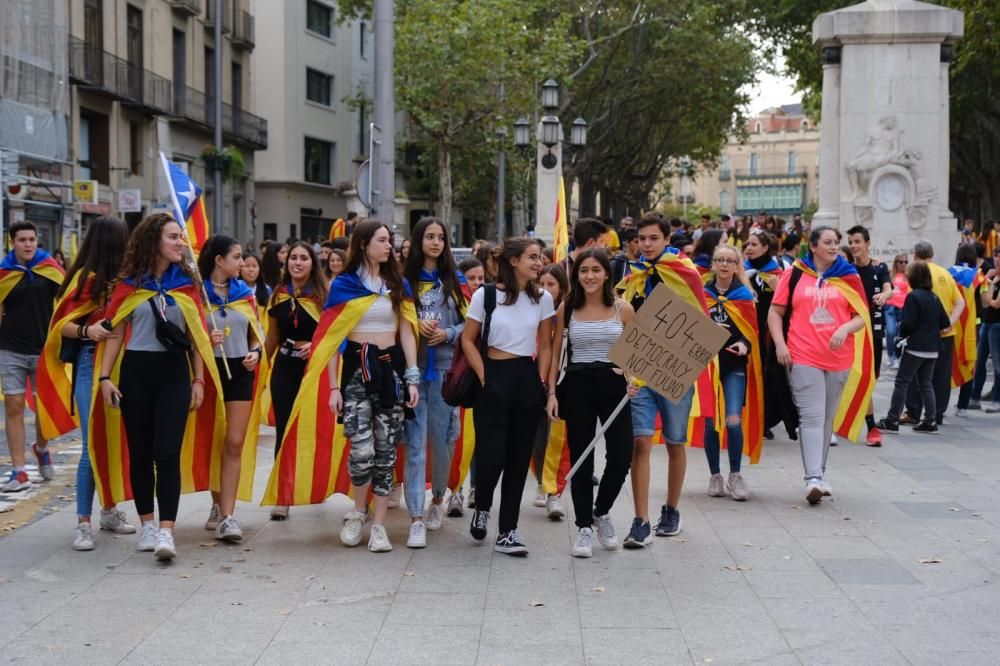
x,y
513,328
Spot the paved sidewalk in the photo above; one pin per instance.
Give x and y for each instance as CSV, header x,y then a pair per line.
x,y
900,567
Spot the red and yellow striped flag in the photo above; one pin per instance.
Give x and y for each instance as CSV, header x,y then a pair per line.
x,y
560,234
964,364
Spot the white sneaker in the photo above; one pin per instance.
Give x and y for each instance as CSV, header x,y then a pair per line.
x,y
992,408
147,540
214,516
229,530
554,508
584,546
116,521
961,412
378,542
540,497
456,505
354,524
165,548
825,487
84,537
279,512
814,492
435,514
395,496
606,533
418,535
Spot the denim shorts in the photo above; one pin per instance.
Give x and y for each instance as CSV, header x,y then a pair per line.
x,y
14,372
648,403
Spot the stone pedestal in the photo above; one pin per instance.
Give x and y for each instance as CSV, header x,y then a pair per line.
x,y
884,151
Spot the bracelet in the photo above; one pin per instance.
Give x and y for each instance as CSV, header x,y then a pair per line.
x,y
258,351
198,380
81,332
412,376
334,388
104,378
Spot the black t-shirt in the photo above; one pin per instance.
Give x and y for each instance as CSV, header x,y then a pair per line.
x,y
26,314
728,361
293,323
873,276
991,315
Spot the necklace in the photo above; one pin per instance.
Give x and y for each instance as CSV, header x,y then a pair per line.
x,y
224,285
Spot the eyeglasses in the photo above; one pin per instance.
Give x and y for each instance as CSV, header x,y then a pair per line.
x,y
902,261
726,261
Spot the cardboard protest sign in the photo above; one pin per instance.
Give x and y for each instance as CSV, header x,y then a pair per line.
x,y
668,344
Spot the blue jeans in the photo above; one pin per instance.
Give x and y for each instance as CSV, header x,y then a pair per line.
x,y
734,388
83,396
647,403
891,316
989,346
435,424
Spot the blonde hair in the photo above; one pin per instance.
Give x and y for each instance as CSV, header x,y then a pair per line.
x,y
740,273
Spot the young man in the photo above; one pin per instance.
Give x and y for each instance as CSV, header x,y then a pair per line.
x,y
587,233
706,223
878,287
29,280
659,263
789,250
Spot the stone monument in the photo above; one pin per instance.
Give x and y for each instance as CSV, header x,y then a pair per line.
x,y
884,138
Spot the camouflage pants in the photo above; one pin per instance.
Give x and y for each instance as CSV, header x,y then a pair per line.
x,y
374,432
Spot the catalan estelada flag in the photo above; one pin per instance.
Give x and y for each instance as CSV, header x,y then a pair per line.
x,y
861,380
211,417
465,445
739,305
189,204
560,235
311,464
428,281
557,461
338,229
56,415
108,445
42,265
964,364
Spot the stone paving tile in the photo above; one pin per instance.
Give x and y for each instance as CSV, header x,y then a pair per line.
x,y
867,572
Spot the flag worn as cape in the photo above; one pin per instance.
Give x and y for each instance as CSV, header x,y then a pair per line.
x,y
772,266
212,415
56,415
742,311
311,464
427,281
41,265
861,380
964,365
557,461
108,446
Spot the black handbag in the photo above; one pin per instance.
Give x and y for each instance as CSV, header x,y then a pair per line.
x,y
461,386
169,334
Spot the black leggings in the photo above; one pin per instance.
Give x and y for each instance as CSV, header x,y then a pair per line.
x,y
156,395
586,395
506,417
286,377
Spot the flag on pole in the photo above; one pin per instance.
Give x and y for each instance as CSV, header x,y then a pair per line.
x,y
560,238
189,204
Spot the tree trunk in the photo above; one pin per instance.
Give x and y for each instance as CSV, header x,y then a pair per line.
x,y
444,183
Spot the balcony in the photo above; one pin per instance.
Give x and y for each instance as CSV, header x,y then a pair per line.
x,y
243,34
770,174
227,15
197,108
92,68
188,7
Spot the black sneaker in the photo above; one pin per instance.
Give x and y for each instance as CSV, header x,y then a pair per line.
x,y
927,426
477,529
639,535
888,425
670,522
768,434
509,543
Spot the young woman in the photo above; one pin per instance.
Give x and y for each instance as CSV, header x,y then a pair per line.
x,y
378,378
234,311
513,385
591,389
441,303
292,316
472,269
81,309
273,264
335,263
549,441
828,306
250,274
893,309
923,319
159,302
731,306
404,250
487,255
704,249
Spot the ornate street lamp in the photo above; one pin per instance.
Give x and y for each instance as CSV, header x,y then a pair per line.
x,y
522,132
550,95
578,133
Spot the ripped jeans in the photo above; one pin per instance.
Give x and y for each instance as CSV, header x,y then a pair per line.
x,y
374,432
734,388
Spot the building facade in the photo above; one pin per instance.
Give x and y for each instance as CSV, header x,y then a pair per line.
x,y
314,67
774,169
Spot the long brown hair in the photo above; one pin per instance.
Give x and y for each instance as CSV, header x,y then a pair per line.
x,y
144,246
447,273
389,270
314,282
512,249
101,254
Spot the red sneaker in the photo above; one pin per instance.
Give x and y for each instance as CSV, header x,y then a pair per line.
x,y
874,437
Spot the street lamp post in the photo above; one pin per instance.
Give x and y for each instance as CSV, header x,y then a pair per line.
x,y
549,150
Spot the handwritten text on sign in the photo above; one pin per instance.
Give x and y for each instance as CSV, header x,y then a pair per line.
x,y
668,344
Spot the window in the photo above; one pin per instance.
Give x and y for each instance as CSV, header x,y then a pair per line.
x,y
133,37
754,163
363,40
94,146
180,69
135,148
318,161
236,72
270,231
362,130
724,202
792,161
724,167
319,18
319,87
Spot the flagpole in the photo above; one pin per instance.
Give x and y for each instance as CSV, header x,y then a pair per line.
x,y
189,258
597,436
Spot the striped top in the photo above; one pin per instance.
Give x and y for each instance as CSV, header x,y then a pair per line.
x,y
591,341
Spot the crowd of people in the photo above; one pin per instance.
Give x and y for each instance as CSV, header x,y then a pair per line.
x,y
356,352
